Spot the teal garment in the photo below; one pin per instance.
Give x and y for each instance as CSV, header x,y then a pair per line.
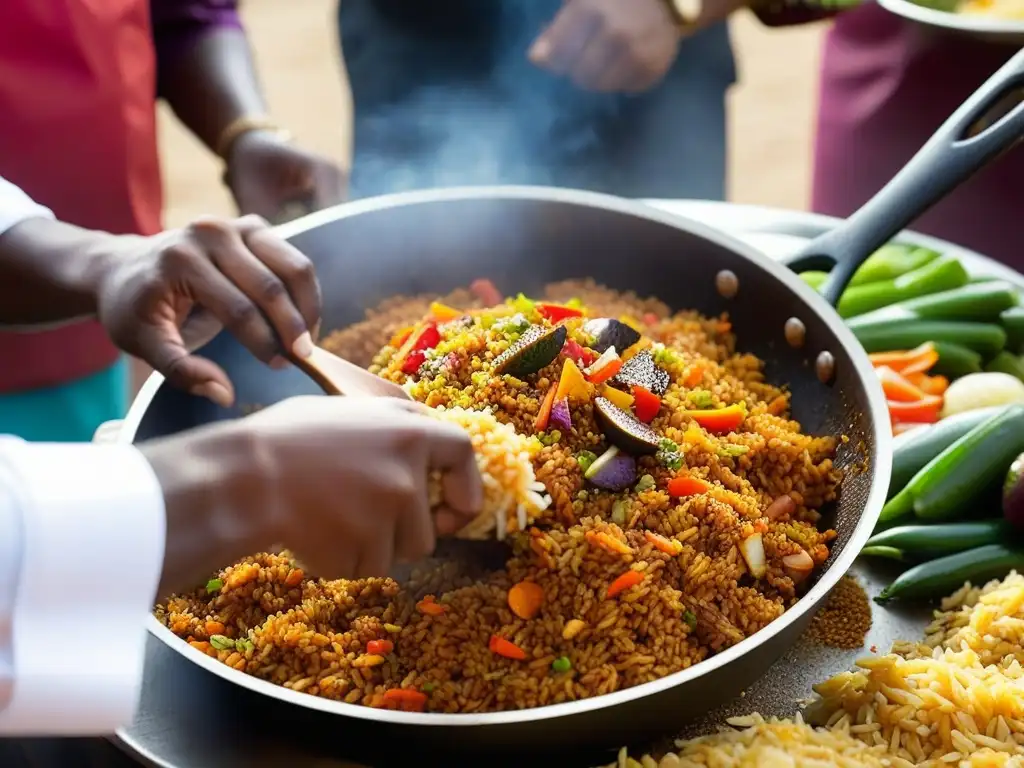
x,y
68,412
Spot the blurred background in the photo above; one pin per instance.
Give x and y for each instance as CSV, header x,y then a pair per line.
x,y
770,111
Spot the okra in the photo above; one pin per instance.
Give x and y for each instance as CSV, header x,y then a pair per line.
x,y
1012,321
955,360
939,275
987,339
1005,362
937,578
890,261
980,302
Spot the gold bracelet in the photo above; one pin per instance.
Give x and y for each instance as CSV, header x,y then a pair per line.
x,y
245,124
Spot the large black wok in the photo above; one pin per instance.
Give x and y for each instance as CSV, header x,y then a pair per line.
x,y
523,238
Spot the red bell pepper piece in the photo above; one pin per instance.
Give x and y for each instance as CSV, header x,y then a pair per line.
x,y
555,313
415,354
646,404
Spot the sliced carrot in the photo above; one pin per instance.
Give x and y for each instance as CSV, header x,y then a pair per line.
x,y
401,336
605,372
214,628
646,404
405,699
526,599
930,385
380,647
682,486
662,544
428,607
719,420
608,542
544,414
624,582
896,387
506,648
294,577
925,411
694,375
917,360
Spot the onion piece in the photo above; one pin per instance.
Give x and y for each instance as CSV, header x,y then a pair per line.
x,y
752,549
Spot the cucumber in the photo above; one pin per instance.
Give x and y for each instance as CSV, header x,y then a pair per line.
x,y
1012,321
955,360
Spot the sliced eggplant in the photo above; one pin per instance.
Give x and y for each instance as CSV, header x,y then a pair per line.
x,y
612,470
641,371
608,332
625,431
537,347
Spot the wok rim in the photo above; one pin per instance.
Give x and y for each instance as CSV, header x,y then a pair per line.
x,y
880,467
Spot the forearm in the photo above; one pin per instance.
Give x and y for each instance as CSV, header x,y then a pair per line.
x,y
49,270
206,71
211,493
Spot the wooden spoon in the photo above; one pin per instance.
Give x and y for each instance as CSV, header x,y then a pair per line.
x,y
337,376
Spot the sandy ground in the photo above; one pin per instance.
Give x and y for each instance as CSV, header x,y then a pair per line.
x,y
296,48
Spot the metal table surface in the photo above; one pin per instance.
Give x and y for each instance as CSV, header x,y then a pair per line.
x,y
189,718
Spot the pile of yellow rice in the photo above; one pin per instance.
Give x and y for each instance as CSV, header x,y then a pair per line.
x,y
956,699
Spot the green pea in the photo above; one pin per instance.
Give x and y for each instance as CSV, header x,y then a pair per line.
x,y
561,664
214,585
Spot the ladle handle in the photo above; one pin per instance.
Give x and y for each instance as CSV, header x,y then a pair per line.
x,y
989,123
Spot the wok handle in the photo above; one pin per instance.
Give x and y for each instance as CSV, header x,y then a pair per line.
x,y
965,143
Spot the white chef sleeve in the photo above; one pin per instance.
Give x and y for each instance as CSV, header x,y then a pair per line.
x,y
16,206
82,531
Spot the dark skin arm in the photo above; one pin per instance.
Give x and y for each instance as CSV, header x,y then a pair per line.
x,y
213,84
50,271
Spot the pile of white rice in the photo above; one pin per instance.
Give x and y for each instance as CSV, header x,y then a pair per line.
x,y
513,497
957,699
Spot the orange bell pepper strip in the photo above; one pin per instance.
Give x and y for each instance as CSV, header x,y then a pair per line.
x,y
719,420
896,387
917,360
442,313
924,411
930,385
646,404
682,486
544,414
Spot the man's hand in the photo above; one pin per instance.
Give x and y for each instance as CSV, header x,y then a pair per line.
x,y
163,296
609,45
267,174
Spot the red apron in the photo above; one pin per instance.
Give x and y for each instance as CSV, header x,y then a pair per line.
x,y
78,134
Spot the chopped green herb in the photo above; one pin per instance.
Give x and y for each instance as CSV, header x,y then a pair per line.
x,y
214,585
429,687
561,664
731,449
522,304
584,459
550,438
701,398
669,455
222,642
663,355
243,644
645,483
690,618
619,509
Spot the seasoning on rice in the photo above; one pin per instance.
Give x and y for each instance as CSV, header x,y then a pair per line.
x,y
844,620
660,503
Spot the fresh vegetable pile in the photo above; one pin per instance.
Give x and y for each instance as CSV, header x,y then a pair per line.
x,y
956,503
941,341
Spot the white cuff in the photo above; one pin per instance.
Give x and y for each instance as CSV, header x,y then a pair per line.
x,y
16,206
94,527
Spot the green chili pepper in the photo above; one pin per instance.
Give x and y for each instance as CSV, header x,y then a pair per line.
x,y
890,553
890,261
222,642
1013,321
924,542
885,335
214,585
980,302
940,577
964,470
1005,362
814,279
561,664
941,274
955,360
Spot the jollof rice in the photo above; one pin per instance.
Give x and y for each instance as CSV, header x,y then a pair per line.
x,y
605,590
